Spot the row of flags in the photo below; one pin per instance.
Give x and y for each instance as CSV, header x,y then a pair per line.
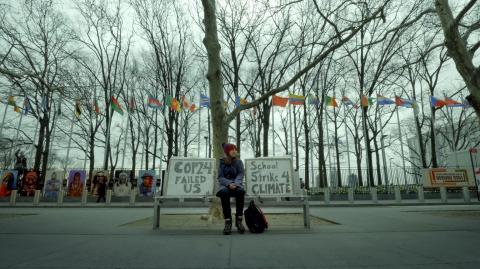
x,y
365,101
183,104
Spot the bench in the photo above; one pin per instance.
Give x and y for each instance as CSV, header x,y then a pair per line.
x,y
190,181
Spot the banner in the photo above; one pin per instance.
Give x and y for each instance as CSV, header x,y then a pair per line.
x,y
29,183
53,184
8,183
146,183
75,183
448,177
122,183
269,176
190,176
99,178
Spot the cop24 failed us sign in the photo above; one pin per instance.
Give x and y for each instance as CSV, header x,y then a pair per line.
x,y
269,176
190,177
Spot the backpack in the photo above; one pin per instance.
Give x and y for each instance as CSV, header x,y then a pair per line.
x,y
255,219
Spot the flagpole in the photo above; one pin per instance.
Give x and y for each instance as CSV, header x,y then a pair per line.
x,y
273,130
365,130
384,158
180,146
125,139
107,139
328,146
290,127
161,143
346,140
401,147
312,178
68,148
199,125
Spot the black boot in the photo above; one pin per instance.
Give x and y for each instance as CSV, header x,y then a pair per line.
x,y
228,227
239,224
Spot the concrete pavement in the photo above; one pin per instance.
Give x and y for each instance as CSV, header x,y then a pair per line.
x,y
442,236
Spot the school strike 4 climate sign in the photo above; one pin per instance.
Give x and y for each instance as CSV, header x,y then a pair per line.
x,y
269,176
190,176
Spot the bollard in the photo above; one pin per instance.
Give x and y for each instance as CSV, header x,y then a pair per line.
x,y
443,194
466,194
84,197
420,193
326,193
61,193
13,197
398,195
109,197
36,198
350,195
132,196
373,193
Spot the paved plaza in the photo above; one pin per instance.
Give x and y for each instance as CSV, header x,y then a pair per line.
x,y
442,236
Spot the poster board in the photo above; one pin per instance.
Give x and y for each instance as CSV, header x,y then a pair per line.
x,y
76,183
190,177
53,184
270,177
146,183
448,177
8,182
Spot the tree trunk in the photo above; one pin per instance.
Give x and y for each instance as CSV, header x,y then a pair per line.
x,y
368,151
458,51
266,127
307,148
420,141
433,142
377,159
337,151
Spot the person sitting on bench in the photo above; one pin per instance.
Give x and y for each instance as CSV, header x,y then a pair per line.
x,y
230,177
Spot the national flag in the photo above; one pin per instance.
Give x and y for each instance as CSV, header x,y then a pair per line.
x,y
404,102
193,108
78,108
296,100
168,101
313,100
204,101
346,101
366,101
383,101
153,102
115,105
452,103
240,101
279,101
26,106
132,105
175,106
185,103
330,101
436,102
96,108
11,100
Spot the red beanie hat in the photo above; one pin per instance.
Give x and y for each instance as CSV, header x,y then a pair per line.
x,y
228,147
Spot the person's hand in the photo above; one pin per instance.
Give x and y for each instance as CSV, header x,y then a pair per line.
x,y
232,186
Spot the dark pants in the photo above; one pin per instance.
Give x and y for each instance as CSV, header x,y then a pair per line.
x,y
101,197
225,195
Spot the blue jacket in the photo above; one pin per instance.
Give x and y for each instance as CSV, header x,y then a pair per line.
x,y
230,173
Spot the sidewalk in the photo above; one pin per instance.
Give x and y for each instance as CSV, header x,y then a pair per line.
x,y
442,236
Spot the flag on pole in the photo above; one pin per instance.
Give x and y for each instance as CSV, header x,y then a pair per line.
x,y
240,101
313,100
193,108
436,102
26,106
132,104
366,101
96,108
330,101
204,101
346,101
175,106
11,100
296,100
115,105
185,103
452,103
78,108
383,101
279,101
404,102
153,102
